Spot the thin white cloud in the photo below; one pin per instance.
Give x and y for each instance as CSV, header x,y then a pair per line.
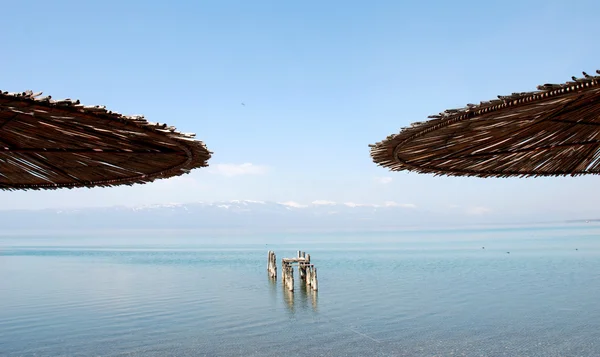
x,y
352,204
479,210
395,204
230,170
293,204
383,180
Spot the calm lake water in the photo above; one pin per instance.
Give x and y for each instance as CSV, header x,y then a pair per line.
x,y
412,293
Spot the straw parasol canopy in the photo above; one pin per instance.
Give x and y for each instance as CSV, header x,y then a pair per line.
x,y
51,144
554,131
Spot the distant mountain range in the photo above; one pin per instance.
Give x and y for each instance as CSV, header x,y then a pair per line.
x,y
239,215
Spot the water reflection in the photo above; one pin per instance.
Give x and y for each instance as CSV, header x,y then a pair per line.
x,y
288,297
301,299
273,290
314,297
307,294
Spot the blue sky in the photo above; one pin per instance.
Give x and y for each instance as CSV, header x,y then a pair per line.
x,y
320,81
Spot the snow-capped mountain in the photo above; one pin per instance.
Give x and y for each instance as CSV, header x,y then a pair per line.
x,y
236,215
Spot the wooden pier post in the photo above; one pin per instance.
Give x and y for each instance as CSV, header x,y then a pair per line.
x,y
283,270
314,284
301,266
289,276
302,271
272,265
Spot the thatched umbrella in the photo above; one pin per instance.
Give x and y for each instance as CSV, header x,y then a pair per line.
x,y
554,131
51,144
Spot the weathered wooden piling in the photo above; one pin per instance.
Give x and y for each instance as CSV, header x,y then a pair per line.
x,y
311,277
302,265
287,274
272,265
291,278
301,271
306,264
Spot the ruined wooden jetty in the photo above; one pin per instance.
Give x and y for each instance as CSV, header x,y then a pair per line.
x,y
306,271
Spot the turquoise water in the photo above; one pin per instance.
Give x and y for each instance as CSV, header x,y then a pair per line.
x,y
412,293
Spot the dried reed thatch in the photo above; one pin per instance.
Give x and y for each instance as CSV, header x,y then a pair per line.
x,y
554,131
50,144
